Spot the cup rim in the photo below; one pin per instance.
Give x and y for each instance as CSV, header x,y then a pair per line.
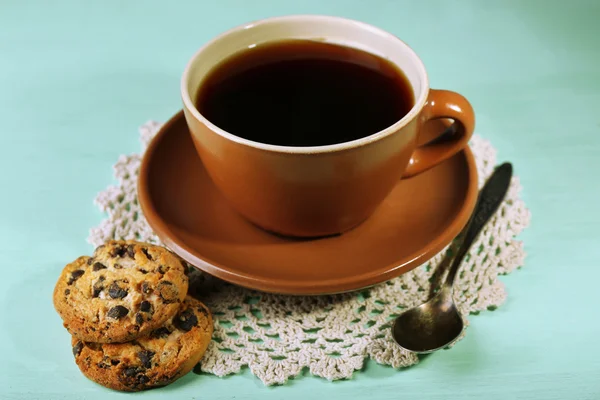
x,y
420,100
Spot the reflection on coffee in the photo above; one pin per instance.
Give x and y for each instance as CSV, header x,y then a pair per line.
x,y
304,93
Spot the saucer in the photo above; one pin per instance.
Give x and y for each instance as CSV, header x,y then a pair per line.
x,y
418,219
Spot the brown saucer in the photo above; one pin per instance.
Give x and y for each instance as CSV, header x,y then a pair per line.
x,y
418,219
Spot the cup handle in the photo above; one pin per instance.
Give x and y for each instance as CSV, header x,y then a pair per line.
x,y
442,104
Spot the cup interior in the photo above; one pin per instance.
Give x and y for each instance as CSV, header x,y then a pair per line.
x,y
308,27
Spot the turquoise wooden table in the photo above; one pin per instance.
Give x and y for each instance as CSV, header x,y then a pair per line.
x,y
78,78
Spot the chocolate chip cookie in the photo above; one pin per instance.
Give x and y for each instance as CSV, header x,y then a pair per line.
x,y
166,354
125,290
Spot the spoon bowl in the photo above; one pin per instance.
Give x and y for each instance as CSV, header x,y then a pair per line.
x,y
431,326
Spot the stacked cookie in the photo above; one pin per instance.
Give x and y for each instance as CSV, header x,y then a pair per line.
x,y
133,325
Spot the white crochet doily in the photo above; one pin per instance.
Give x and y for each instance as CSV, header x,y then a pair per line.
x,y
278,336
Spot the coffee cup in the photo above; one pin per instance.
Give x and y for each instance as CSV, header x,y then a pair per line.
x,y
320,190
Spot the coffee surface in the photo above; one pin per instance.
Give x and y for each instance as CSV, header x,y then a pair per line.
x,y
304,93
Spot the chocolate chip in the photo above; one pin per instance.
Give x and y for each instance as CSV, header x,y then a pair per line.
x,y
94,346
117,312
145,357
145,306
116,292
67,292
131,251
143,271
162,269
98,287
90,261
146,289
118,251
160,333
98,266
167,292
115,362
117,266
75,275
139,318
186,320
130,372
104,364
138,374
77,348
148,256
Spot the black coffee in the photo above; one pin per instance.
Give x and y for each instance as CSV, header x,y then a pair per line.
x,y
304,93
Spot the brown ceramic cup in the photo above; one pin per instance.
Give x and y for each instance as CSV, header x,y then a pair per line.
x,y
321,190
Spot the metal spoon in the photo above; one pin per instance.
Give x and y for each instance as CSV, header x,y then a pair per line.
x,y
437,323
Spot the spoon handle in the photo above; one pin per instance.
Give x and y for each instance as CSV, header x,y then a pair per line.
x,y
490,198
